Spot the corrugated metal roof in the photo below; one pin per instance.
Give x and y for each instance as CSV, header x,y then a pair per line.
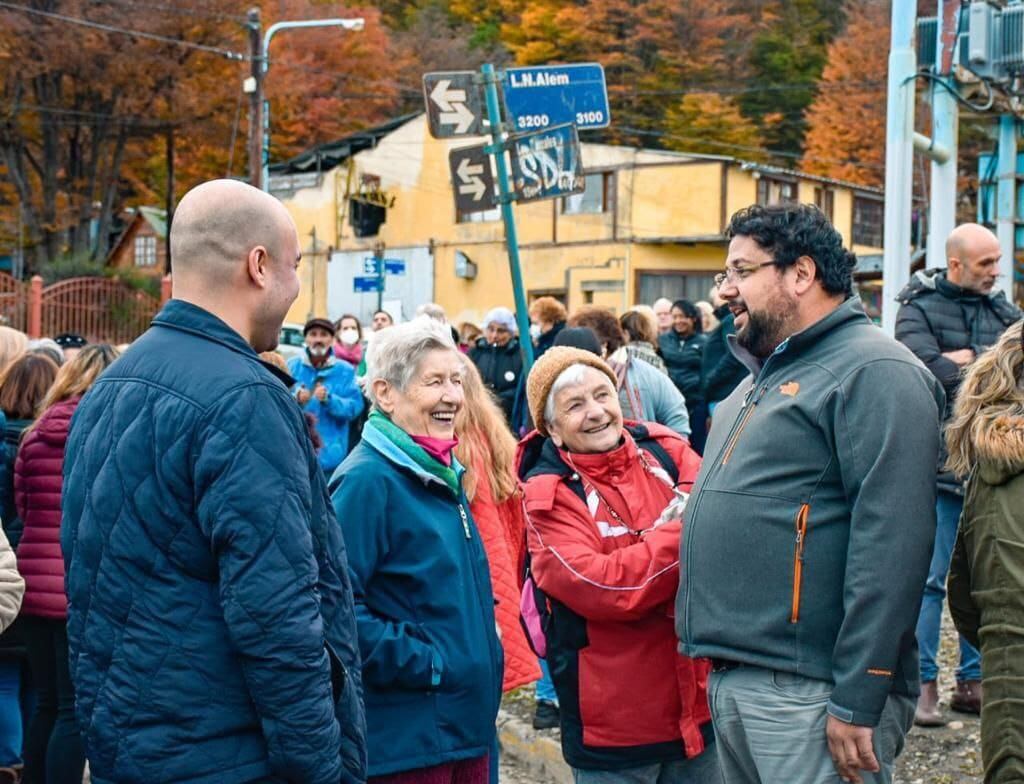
x,y
330,154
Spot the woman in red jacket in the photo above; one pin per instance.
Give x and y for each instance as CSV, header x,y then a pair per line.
x,y
53,748
487,450
603,505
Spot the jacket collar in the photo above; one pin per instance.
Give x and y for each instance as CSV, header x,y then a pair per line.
x,y
381,444
850,311
183,316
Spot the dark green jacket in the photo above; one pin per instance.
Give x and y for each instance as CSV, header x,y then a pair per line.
x,y
810,528
986,589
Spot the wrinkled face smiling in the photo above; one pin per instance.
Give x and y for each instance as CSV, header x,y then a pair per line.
x,y
431,399
588,418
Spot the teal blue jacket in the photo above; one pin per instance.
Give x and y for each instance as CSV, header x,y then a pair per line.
x,y
432,662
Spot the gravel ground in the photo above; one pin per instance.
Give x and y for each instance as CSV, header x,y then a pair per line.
x,y
950,754
944,755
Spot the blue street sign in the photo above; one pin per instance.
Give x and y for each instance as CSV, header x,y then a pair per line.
x,y
546,95
391,266
546,164
362,284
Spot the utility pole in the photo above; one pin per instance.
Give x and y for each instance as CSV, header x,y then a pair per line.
x,y
945,122
254,88
169,197
378,255
264,63
1006,199
899,158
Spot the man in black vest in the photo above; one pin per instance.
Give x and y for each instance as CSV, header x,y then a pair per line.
x,y
948,318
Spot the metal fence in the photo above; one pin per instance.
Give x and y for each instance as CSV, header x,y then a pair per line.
x,y
99,309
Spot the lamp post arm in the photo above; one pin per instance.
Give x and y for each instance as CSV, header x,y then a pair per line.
x,y
348,24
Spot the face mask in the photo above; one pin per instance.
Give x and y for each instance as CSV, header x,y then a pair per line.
x,y
535,331
350,336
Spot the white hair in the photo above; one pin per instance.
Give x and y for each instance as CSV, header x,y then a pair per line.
x,y
394,354
432,310
569,377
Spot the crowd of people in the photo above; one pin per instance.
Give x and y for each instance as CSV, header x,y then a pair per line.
x,y
714,537
41,384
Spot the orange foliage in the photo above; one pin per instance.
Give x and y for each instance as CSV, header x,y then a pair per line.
x,y
846,123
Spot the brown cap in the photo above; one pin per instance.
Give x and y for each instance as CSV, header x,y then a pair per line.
x,y
548,368
322,323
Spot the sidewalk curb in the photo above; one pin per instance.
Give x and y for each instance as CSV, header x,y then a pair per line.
x,y
541,755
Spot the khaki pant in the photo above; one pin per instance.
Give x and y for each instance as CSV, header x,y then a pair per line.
x,y
770,728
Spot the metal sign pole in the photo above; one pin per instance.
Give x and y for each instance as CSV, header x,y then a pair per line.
x,y
505,197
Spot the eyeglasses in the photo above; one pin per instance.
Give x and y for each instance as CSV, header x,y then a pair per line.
x,y
733,274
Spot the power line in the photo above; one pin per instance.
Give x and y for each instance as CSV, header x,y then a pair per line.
x,y
216,16
123,31
746,148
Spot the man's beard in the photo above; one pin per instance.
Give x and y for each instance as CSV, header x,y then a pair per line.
x,y
318,351
766,329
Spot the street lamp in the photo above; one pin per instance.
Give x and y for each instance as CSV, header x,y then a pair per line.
x,y
348,24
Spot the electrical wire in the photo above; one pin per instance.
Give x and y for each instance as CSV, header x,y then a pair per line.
x,y
747,148
930,77
124,31
215,16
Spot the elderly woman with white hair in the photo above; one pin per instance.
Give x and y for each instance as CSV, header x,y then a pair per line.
x,y
604,499
496,355
432,662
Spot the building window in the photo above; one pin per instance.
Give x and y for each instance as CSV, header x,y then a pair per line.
x,y
486,216
593,200
775,191
868,221
824,200
145,251
694,286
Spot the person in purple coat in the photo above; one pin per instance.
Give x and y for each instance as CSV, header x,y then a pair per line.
x,y
53,747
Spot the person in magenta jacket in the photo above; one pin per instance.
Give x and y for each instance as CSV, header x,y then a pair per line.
x,y
53,748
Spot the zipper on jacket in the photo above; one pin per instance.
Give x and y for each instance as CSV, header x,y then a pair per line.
x,y
465,521
798,560
750,405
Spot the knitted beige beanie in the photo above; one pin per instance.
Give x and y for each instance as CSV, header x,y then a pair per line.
x,y
548,368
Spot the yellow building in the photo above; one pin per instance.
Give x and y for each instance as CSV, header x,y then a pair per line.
x,y
649,224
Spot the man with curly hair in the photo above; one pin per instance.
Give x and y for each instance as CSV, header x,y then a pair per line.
x,y
810,527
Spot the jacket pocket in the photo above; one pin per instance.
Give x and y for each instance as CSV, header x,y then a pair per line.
x,y
798,560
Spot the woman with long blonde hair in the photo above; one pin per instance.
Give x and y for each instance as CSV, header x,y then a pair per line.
x,y
487,450
53,747
986,578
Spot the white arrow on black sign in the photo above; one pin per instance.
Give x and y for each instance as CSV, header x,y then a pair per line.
x,y
452,104
470,182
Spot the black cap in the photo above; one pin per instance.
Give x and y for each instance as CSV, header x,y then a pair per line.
x,y
70,340
322,323
579,337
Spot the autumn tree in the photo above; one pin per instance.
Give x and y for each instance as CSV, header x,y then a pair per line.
x,y
846,122
784,59
326,82
77,91
711,123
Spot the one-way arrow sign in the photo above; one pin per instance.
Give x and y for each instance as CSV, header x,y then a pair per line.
x,y
472,178
454,106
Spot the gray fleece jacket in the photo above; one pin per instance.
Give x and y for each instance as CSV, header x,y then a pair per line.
x,y
810,528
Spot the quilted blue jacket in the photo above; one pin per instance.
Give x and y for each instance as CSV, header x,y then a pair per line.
x,y
432,662
210,618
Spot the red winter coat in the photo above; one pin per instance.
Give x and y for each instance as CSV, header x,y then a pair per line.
x,y
501,528
627,696
38,479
